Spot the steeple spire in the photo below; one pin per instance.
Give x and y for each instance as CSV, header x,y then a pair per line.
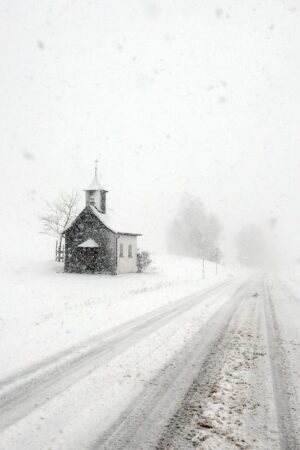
x,y
95,194
95,185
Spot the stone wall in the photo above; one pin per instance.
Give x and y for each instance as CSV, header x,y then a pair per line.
x,y
99,260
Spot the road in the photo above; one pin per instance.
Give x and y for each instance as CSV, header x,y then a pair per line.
x,y
235,385
232,383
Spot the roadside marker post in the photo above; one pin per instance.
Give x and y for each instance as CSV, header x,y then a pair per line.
x,y
217,254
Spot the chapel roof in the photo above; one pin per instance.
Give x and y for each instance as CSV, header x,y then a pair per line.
x,y
95,185
115,224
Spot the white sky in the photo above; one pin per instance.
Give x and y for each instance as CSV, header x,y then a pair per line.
x,y
200,96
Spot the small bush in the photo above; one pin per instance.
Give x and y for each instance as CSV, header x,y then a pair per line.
x,y
143,261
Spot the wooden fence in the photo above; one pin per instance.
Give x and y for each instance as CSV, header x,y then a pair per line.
x,y
59,253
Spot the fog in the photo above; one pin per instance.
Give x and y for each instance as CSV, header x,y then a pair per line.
x,y
171,97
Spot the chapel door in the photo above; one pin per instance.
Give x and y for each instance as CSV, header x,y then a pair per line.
x,y
91,256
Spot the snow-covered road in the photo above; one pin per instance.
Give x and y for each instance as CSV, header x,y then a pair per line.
x,y
234,385
145,419
246,392
283,323
24,391
217,369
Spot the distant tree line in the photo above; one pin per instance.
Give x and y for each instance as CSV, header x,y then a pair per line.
x,y
253,249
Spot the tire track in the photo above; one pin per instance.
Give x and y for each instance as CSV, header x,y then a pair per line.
x,y
282,378
177,408
22,393
146,418
210,415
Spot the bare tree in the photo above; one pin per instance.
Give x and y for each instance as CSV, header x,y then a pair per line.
x,y
60,213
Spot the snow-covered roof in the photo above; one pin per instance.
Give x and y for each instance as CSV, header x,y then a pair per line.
x,y
115,224
95,185
89,243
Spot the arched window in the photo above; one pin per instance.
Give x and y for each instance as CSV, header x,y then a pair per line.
x,y
121,250
129,251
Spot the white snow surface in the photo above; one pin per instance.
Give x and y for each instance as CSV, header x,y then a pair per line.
x,y
43,310
89,243
116,223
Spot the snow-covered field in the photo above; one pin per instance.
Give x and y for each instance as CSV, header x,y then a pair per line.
x,y
43,310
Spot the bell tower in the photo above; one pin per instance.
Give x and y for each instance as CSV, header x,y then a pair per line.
x,y
95,194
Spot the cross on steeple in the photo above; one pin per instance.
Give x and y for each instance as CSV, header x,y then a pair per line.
x,y
96,166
